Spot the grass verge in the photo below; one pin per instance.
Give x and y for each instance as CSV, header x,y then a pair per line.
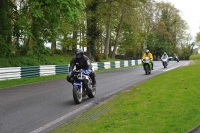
x,y
167,103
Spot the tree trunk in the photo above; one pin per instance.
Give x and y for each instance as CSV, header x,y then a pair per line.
x,y
106,50
80,38
75,39
107,42
117,36
53,47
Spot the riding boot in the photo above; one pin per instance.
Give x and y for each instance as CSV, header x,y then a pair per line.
x,y
94,82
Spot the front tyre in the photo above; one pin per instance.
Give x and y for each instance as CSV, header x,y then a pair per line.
x,y
90,89
77,94
165,65
146,68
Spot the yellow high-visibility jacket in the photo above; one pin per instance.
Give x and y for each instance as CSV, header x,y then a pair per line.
x,y
148,55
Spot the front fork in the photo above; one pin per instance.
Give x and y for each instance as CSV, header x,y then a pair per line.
x,y
81,87
81,83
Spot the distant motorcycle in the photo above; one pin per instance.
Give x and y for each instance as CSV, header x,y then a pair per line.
x,y
147,65
165,62
176,58
82,86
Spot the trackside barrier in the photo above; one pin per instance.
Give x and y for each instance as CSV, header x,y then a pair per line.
x,y
10,73
45,70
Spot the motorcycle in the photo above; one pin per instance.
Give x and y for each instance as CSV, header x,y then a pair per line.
x,y
82,86
164,62
147,65
176,58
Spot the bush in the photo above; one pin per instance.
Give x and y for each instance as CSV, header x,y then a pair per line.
x,y
195,57
4,63
14,63
29,61
34,60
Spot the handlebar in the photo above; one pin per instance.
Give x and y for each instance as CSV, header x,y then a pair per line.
x,y
84,71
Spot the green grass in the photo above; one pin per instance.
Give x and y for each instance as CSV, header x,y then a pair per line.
x,y
167,103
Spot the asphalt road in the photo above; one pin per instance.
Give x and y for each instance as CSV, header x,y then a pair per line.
x,y
40,107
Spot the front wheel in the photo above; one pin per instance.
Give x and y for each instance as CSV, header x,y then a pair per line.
x,y
165,64
77,94
90,89
147,70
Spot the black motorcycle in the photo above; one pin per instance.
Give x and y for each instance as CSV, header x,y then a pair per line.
x,y
176,58
82,86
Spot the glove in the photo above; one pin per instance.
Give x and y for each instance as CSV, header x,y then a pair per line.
x,y
88,71
69,73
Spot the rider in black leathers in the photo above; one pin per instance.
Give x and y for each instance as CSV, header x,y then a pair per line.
x,y
81,61
176,57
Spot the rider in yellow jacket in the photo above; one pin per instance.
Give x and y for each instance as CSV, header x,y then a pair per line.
x,y
148,54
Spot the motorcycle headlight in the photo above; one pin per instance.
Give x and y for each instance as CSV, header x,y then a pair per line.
x,y
79,77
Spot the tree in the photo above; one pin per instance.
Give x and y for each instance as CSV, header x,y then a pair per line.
x,y
47,18
187,47
198,37
34,23
6,12
92,31
168,28
108,29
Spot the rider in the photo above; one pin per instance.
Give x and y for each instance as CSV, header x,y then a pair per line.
x,y
148,54
164,56
81,61
175,55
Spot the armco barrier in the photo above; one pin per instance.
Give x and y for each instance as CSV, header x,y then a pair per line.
x,y
10,73
44,70
30,71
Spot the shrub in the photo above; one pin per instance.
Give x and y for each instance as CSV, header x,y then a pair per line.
x,y
195,57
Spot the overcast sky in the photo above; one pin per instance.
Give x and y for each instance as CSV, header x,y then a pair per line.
x,y
189,11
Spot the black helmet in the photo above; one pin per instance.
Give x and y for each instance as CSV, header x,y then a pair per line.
x,y
79,53
147,51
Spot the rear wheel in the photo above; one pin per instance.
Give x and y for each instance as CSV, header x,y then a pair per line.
x,y
77,94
